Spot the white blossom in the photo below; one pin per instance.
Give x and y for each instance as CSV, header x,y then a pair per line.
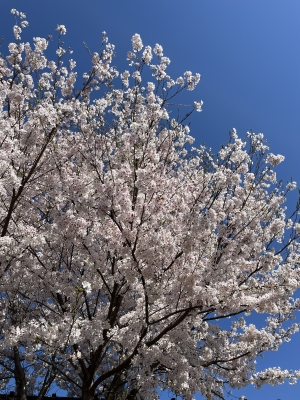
x,y
291,185
158,50
137,43
274,160
198,105
87,286
61,29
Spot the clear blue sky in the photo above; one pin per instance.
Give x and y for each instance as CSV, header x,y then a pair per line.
x,y
247,52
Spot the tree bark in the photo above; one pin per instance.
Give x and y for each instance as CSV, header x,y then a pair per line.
x,y
19,376
88,391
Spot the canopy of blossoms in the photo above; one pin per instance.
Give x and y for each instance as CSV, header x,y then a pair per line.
x,y
130,260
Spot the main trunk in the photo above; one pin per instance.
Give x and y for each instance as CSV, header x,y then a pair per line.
x,y
19,376
87,391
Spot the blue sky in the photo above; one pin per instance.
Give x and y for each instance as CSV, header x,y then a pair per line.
x,y
247,53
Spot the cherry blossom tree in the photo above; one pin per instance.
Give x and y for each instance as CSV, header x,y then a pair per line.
x,y
131,260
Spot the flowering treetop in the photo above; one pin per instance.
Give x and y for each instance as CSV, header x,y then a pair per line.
x,y
124,248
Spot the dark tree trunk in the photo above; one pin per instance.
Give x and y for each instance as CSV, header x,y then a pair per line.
x,y
19,376
132,394
88,391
